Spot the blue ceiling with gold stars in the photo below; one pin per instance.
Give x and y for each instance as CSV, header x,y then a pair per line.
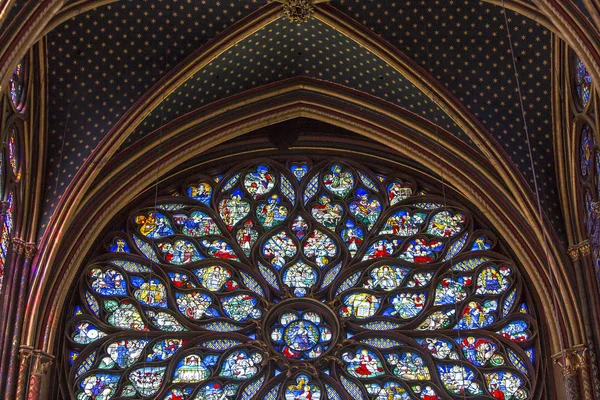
x,y
102,61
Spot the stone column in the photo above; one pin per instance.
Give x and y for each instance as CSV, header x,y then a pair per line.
x,y
39,376
25,353
572,362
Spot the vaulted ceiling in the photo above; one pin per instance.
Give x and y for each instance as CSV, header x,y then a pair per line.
x,y
103,60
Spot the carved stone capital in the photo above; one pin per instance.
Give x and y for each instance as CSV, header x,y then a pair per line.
x,y
574,253
579,250
571,360
41,363
596,207
30,249
18,245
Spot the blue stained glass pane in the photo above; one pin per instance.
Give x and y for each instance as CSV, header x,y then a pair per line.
x,y
253,388
146,249
287,189
331,393
456,247
221,326
269,276
131,266
231,182
331,275
93,304
368,182
221,344
469,264
86,365
311,189
272,394
348,282
508,302
252,284
73,356
516,361
352,388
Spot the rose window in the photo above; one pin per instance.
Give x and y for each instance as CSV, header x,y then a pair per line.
x,y
311,280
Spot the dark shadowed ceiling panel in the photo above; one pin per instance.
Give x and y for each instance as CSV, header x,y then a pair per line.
x,y
102,61
464,45
284,49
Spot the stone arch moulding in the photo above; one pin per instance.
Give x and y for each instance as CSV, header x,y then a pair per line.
x,y
193,135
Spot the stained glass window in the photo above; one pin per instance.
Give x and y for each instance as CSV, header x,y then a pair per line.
x,y
17,87
321,280
583,83
5,232
13,154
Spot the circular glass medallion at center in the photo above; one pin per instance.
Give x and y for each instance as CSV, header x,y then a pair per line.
x,y
301,335
301,330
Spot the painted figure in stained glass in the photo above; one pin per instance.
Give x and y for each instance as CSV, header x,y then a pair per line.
x,y
219,249
165,349
119,245
259,182
299,227
279,248
439,348
246,237
420,251
154,225
195,305
477,350
303,389
108,282
240,365
271,213
451,290
233,209
584,83
381,248
320,248
124,315
493,281
327,213
353,236
398,191
215,278
216,391
476,315
181,281
201,192
403,223
437,320
147,380
193,369
300,275
199,224
446,224
363,364
85,333
386,277
586,150
339,182
181,252
389,391
240,307
151,292
365,209
99,387
409,366
505,385
458,379
360,305
407,305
